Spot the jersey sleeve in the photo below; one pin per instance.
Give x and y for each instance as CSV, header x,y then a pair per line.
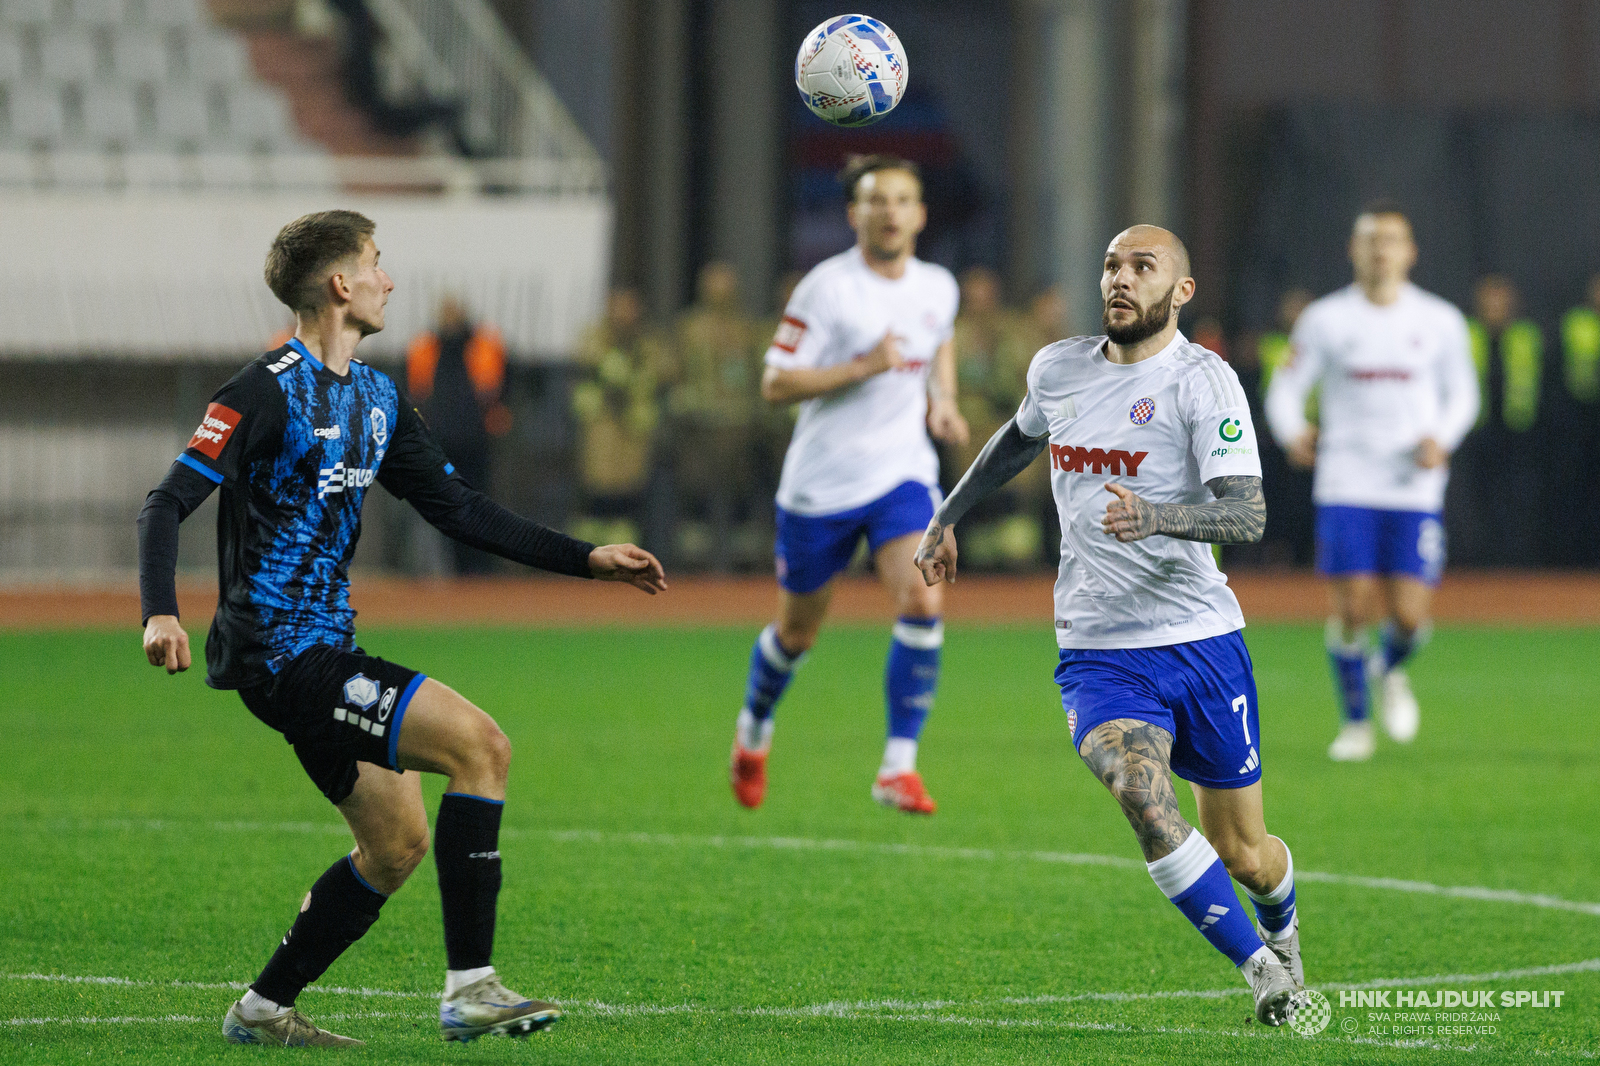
x,y
416,470
1458,382
1222,434
1031,418
247,417
1292,383
806,329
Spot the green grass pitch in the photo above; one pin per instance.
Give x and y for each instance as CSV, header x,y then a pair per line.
x,y
158,840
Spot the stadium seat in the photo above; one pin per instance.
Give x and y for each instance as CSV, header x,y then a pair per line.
x,y
35,114
99,12
300,170
140,56
259,117
68,55
79,170
11,58
26,12
183,116
155,170
219,59
110,115
174,13
16,169
229,171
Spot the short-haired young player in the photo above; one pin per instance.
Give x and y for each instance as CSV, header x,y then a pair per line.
x,y
1398,393
865,348
1154,674
295,439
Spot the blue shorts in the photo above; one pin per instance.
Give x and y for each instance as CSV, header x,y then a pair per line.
x,y
811,549
1365,540
1203,693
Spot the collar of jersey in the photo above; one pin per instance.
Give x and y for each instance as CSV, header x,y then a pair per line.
x,y
1143,366
305,353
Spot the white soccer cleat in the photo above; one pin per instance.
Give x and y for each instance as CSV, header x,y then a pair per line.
x,y
1401,715
487,1006
1355,743
290,1029
1273,989
1287,949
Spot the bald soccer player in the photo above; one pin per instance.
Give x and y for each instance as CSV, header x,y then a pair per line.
x,y
1152,460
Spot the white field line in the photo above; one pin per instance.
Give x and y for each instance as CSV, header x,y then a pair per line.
x,y
853,1008
927,851
183,1019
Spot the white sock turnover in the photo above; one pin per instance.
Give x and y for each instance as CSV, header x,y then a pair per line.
x,y
899,757
456,980
258,1008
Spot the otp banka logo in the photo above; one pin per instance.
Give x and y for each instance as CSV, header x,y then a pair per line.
x,y
1230,430
1071,460
337,478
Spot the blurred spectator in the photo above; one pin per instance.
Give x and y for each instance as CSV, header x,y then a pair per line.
x,y
617,412
1291,517
774,422
994,346
456,375
363,85
1208,335
1048,318
1577,528
713,404
1272,348
1499,464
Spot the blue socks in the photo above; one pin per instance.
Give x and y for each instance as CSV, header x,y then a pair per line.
x,y
1398,647
771,667
912,674
1349,659
1275,910
1197,883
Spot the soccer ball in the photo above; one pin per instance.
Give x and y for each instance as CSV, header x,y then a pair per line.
x,y
851,70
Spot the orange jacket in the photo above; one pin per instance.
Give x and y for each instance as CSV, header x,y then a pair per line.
x,y
485,358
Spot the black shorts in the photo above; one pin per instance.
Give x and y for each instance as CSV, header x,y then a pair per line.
x,y
337,708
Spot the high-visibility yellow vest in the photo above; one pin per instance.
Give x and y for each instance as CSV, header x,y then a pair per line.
x,y
1273,351
1522,359
1580,342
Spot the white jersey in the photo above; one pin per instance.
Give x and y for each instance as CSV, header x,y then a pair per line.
x,y
1391,375
1161,427
856,444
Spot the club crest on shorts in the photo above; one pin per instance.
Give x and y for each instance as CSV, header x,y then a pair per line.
x,y
1072,722
361,691
1142,412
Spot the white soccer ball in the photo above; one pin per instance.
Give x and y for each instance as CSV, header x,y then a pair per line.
x,y
851,70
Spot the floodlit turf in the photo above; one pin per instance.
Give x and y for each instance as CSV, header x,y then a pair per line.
x,y
156,834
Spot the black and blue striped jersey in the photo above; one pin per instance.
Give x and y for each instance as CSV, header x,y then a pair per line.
x,y
294,448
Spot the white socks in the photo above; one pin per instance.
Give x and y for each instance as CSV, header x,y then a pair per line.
x,y
754,734
899,757
456,980
258,1008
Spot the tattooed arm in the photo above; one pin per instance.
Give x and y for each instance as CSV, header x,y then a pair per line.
x,y
1132,759
1007,454
1237,516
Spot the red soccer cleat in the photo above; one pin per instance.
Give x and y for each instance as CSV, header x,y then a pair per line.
x,y
748,776
904,792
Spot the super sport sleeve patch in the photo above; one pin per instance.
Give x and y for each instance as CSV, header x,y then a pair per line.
x,y
215,428
791,331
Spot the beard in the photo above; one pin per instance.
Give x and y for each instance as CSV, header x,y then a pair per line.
x,y
1152,320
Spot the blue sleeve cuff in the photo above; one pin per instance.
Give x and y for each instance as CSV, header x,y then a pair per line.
x,y
196,464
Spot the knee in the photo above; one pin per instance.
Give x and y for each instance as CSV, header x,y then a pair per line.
x,y
796,640
1244,861
495,751
387,864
